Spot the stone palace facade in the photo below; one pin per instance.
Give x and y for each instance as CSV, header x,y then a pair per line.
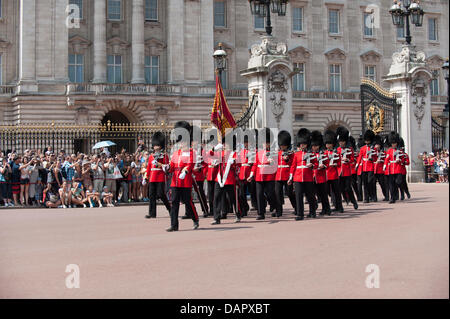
x,y
141,61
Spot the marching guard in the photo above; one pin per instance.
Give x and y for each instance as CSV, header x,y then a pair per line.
x,y
212,160
404,184
285,156
301,174
378,168
345,170
366,159
320,172
334,161
155,175
393,166
181,166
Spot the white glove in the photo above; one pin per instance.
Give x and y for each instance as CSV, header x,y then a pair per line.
x,y
182,175
384,167
166,168
218,147
154,162
144,182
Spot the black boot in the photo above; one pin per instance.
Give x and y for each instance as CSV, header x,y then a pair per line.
x,y
171,229
260,217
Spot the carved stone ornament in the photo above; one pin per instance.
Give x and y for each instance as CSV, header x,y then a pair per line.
x,y
408,54
375,118
277,82
268,47
277,107
419,92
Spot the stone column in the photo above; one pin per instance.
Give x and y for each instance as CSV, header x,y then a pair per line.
x,y
207,41
61,43
27,46
269,76
99,41
175,40
410,79
137,42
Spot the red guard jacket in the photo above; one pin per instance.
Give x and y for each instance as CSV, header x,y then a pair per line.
x,y
211,170
181,159
154,173
405,163
333,171
393,161
245,166
299,171
320,174
365,159
345,169
379,163
199,175
264,170
231,177
284,167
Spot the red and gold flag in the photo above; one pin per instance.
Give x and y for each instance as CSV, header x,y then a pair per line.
x,y
221,116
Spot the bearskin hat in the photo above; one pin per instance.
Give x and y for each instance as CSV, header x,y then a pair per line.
x,y
316,138
378,140
393,137
284,138
368,136
352,142
401,143
230,140
159,139
178,130
267,133
342,134
303,136
360,142
329,137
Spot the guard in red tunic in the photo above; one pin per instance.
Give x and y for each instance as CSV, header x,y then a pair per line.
x,y
285,156
302,175
199,170
404,185
226,181
352,142
264,171
246,158
378,167
212,160
320,172
359,193
334,162
393,164
155,175
366,159
345,170
181,166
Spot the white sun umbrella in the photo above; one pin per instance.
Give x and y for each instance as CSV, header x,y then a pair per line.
x,y
103,144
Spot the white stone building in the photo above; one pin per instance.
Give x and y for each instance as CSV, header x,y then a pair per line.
x,y
151,60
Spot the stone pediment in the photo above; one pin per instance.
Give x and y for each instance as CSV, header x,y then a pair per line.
x,y
4,44
152,42
77,43
435,62
299,53
117,44
336,54
371,56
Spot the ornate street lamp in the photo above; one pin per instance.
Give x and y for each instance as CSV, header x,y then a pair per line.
x,y
262,8
402,10
220,60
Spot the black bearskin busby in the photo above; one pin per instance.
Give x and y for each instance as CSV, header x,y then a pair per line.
x,y
393,137
352,142
159,139
284,138
401,143
330,137
303,136
267,133
378,140
178,130
368,136
316,138
342,134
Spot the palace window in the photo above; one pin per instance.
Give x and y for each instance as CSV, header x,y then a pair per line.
x,y
114,70
298,80
76,68
114,9
335,77
220,14
259,22
297,19
333,21
151,69
434,84
151,10
369,29
370,72
78,3
432,29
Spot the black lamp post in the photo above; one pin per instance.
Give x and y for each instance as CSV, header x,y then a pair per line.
x,y
263,8
404,9
220,60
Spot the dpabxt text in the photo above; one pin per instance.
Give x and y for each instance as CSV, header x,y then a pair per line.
x,y
247,308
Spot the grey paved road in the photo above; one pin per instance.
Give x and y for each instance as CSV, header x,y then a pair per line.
x,y
122,255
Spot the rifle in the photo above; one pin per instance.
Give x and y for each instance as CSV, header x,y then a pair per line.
x,y
198,163
334,157
322,158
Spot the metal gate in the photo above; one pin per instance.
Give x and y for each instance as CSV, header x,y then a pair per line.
x,y
379,108
437,136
